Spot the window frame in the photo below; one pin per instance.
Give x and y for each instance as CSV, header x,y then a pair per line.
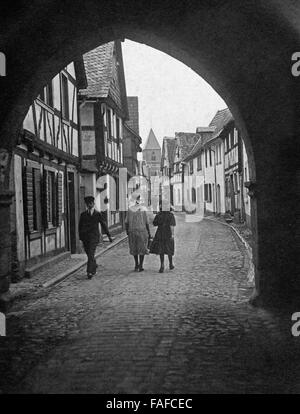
x,y
65,110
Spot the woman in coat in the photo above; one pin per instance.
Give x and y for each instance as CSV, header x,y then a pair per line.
x,y
137,228
163,242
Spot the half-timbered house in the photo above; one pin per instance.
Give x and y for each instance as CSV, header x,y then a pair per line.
x,y
193,171
46,172
184,142
103,111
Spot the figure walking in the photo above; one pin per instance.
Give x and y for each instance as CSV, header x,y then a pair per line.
x,y
163,242
89,233
137,228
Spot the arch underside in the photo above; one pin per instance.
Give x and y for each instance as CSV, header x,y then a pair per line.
x,y
242,51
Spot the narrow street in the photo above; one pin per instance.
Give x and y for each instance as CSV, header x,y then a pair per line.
x,y
190,330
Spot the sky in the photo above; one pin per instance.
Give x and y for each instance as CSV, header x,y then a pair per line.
x,y
172,97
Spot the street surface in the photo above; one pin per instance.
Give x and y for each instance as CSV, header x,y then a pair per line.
x,y
190,330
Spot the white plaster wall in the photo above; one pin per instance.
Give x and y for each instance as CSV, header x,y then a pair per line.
x,y
209,178
88,142
87,114
28,121
56,92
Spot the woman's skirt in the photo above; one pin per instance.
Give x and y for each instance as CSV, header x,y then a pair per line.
x,y
138,242
161,245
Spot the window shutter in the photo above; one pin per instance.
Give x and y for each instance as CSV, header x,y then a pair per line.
x,y
28,205
59,200
46,201
38,200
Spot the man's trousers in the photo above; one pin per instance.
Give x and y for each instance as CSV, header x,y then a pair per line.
x,y
90,248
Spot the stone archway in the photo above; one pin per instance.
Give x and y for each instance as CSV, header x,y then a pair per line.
x,y
243,51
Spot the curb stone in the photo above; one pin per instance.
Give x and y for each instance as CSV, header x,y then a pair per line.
x,y
7,299
250,275
69,272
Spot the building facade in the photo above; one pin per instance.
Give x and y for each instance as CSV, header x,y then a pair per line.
x,y
184,143
103,112
215,171
45,175
193,167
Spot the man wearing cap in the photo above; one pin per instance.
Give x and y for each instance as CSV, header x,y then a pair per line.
x,y
89,233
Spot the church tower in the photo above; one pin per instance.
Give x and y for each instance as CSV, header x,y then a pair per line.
x,y
152,154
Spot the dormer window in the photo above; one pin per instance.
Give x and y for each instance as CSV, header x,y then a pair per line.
x,y
153,156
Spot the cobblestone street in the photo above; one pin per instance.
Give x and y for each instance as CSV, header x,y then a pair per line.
x,y
190,330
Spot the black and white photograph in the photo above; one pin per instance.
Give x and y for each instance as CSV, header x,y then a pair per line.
x,y
149,199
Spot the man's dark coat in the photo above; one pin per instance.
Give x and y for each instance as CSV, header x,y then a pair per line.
x,y
89,226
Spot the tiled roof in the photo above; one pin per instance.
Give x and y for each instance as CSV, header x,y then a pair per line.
x,y
196,148
98,67
133,112
217,124
186,141
171,149
151,142
220,120
170,144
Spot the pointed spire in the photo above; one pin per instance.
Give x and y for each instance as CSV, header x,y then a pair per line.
x,y
152,142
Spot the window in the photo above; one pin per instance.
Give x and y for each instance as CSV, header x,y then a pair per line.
x,y
218,154
43,199
206,158
191,167
108,118
50,198
235,136
199,163
65,97
207,193
118,135
227,143
236,184
232,138
210,158
32,199
46,95
193,195
153,157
